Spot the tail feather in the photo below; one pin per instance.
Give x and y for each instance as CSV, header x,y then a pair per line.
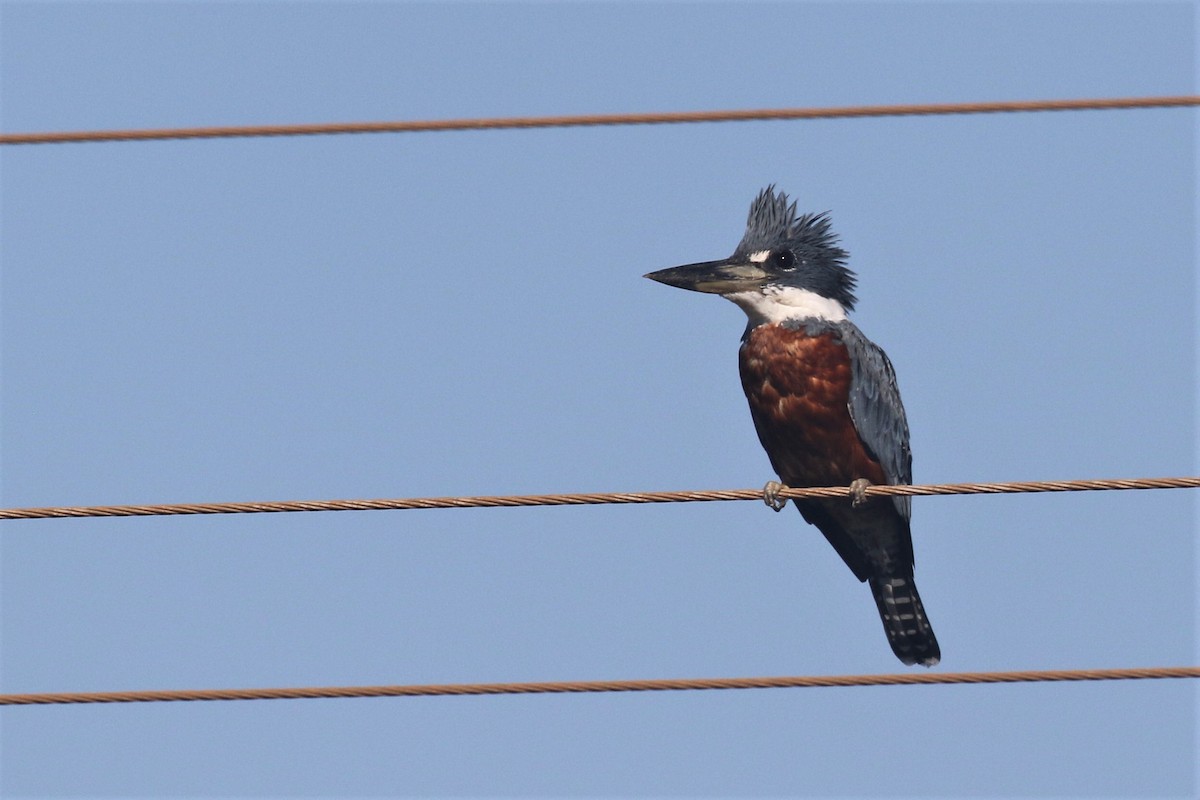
x,y
908,629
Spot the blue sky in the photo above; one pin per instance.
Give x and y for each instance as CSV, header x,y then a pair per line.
x,y
464,313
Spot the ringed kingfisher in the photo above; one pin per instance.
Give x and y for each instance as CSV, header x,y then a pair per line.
x,y
824,401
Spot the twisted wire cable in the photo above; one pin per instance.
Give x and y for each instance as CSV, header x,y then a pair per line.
x,y
593,498
574,687
589,120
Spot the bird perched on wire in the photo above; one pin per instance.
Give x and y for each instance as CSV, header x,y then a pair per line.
x,y
824,401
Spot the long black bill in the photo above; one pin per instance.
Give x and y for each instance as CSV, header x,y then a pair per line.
x,y
716,277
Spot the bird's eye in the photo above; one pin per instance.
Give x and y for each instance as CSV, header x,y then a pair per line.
x,y
784,260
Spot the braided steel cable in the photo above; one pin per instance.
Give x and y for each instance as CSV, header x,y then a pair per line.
x,y
589,120
574,687
595,498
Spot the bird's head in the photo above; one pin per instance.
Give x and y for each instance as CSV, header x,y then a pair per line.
x,y
787,266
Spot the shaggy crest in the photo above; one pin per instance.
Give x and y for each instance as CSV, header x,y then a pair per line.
x,y
774,223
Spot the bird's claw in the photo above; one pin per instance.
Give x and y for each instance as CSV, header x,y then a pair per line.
x,y
771,495
858,492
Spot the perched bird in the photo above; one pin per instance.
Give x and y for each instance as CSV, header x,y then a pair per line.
x,y
824,400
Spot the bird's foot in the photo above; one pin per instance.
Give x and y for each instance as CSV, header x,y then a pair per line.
x,y
858,492
771,495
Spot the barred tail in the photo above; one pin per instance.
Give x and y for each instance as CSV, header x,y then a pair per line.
x,y
904,620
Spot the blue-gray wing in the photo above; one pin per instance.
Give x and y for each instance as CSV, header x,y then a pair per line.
x,y
877,411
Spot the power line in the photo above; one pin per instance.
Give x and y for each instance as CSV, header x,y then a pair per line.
x,y
597,498
588,120
569,687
